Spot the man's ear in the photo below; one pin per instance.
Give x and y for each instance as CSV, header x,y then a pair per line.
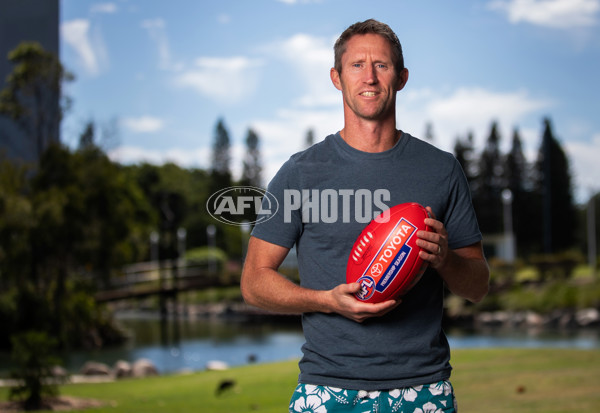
x,y
402,79
335,78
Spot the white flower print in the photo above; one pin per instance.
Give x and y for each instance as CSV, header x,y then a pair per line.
x,y
439,388
321,392
409,394
436,390
395,393
312,404
447,388
374,394
428,408
339,395
395,400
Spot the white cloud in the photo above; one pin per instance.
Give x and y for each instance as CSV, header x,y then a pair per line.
x,y
226,80
143,124
187,158
157,30
478,107
76,33
285,134
472,104
561,14
310,58
103,8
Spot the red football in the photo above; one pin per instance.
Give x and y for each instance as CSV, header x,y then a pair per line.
x,y
385,257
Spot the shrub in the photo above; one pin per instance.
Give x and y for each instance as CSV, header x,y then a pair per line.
x,y
33,354
206,257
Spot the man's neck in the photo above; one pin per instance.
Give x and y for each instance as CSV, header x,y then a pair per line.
x,y
371,136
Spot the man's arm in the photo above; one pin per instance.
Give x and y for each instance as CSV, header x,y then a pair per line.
x,y
263,286
464,270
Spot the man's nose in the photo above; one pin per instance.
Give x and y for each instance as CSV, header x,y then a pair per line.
x,y
370,75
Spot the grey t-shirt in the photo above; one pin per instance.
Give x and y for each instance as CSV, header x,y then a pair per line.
x,y
327,194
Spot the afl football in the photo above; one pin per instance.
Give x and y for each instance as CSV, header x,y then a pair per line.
x,y
385,257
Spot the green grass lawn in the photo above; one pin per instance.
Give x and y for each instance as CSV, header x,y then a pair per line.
x,y
531,380
494,380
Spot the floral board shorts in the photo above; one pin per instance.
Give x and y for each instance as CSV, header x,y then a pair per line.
x,y
430,398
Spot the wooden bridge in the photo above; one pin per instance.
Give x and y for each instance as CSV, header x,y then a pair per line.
x,y
147,279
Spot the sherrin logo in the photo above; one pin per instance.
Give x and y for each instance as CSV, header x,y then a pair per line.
x,y
242,205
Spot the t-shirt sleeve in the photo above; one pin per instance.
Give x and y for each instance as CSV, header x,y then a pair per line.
x,y
460,220
283,226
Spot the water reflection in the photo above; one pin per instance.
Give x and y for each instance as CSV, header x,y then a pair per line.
x,y
524,338
189,344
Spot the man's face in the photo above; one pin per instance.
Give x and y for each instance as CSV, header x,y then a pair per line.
x,y
368,80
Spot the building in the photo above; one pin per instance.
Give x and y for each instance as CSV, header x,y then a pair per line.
x,y
25,20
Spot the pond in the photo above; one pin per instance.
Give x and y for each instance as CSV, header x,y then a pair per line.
x,y
191,344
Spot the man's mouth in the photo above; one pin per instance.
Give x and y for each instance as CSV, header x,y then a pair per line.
x,y
368,94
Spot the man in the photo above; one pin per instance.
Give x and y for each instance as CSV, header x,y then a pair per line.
x,y
369,357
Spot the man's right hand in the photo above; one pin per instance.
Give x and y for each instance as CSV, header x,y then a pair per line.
x,y
346,304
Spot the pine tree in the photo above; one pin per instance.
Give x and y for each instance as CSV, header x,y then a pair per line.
x,y
310,138
221,158
87,137
525,212
464,153
252,167
553,183
487,191
429,136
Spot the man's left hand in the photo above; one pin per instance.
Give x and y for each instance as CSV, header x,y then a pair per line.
x,y
434,243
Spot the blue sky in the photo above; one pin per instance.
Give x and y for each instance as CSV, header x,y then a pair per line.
x,y
159,74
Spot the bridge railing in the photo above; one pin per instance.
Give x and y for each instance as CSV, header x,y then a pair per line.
x,y
166,277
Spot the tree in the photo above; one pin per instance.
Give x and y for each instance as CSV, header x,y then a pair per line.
x,y
429,136
78,215
221,158
517,178
34,355
488,185
179,195
252,165
464,153
554,184
88,220
117,219
32,96
310,138
16,221
86,140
